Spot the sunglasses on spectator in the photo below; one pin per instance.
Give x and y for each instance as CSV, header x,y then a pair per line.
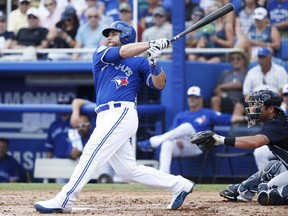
x,y
92,16
125,11
285,94
90,0
68,20
32,17
2,21
261,57
158,15
49,4
83,125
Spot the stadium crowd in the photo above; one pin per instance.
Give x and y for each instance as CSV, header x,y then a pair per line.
x,y
77,24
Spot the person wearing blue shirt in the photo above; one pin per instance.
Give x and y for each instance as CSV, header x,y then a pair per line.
x,y
278,14
9,167
176,142
56,143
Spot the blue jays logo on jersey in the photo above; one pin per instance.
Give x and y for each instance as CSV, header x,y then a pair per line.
x,y
119,81
201,119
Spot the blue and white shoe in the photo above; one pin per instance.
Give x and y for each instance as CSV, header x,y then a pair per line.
x,y
179,198
51,206
145,145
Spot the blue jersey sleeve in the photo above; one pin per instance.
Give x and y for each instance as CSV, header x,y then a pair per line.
x,y
218,118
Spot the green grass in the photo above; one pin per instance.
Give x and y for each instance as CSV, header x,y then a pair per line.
x,y
53,186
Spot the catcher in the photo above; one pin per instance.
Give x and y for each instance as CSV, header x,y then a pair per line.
x,y
271,183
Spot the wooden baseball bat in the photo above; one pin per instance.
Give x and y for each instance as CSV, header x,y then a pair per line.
x,y
205,20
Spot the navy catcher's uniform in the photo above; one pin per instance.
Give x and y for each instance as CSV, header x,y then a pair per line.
x,y
117,81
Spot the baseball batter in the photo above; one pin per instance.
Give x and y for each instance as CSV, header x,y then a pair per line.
x,y
118,75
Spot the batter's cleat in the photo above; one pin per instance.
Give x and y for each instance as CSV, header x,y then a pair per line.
x,y
50,207
179,198
145,145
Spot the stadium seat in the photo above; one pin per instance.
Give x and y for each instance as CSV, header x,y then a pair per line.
x,y
230,154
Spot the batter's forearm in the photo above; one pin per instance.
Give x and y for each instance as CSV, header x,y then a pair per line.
x,y
133,49
160,80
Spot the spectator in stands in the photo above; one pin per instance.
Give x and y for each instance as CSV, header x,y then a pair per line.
x,y
125,14
244,19
176,142
79,136
284,104
262,34
52,16
57,132
89,35
99,5
79,5
193,38
18,17
223,37
265,75
9,167
6,37
278,14
33,35
161,29
63,35
147,19
228,91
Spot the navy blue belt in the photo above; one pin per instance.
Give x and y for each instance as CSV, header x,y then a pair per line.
x,y
107,107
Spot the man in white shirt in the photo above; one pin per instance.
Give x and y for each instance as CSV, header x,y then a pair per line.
x,y
265,75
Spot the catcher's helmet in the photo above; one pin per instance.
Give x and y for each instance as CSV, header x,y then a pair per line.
x,y
128,33
258,99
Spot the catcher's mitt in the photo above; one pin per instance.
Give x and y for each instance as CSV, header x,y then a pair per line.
x,y
204,140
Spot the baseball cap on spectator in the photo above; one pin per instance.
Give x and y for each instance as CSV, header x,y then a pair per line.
x,y
64,99
33,11
125,7
2,16
285,90
194,91
159,11
263,51
259,13
68,13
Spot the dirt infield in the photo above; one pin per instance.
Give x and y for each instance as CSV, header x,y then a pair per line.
x,y
144,202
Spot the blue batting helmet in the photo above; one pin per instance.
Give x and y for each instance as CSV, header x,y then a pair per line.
x,y
128,33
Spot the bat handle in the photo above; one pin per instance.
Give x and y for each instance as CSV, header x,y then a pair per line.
x,y
175,38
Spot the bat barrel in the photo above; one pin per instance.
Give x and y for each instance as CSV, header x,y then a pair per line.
x,y
206,20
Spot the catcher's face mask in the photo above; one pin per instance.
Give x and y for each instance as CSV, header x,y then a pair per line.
x,y
253,111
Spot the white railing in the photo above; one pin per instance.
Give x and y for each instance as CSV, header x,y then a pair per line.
x,y
91,50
